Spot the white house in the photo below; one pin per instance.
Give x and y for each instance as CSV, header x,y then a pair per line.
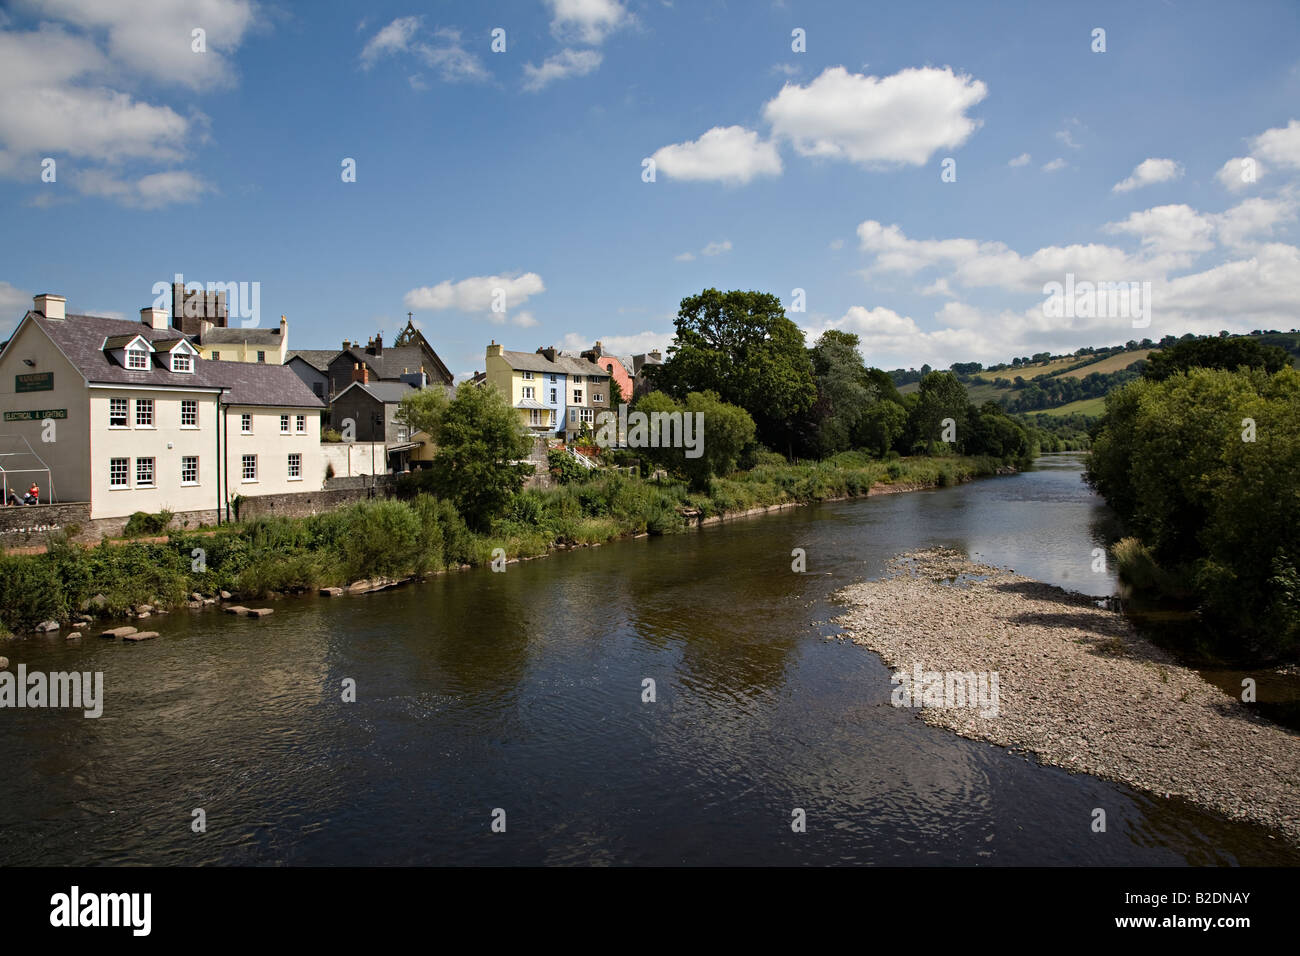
x,y
130,417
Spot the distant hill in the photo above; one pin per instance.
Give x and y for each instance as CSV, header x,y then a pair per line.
x,y
1064,385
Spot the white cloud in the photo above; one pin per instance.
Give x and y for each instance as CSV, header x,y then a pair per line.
x,y
453,63
154,37
152,191
1280,146
716,248
685,257
477,294
1066,135
587,21
898,119
1054,165
837,244
1150,171
938,287
1239,226
12,301
622,345
524,320
1240,172
561,66
728,154
1021,160
64,93
394,38
1171,229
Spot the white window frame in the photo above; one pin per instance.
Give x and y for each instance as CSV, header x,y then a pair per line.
x,y
125,464
126,412
135,354
527,376
152,464
577,396
244,461
284,424
186,360
193,403
245,423
295,455
140,404
300,425
527,391
190,482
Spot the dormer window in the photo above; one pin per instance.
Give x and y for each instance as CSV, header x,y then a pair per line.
x,y
181,362
137,358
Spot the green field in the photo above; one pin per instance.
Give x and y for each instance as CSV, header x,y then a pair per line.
x,y
1085,406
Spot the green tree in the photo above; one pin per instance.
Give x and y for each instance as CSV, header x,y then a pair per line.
x,y
480,443
880,427
1205,468
742,346
1229,353
844,390
423,409
940,396
724,432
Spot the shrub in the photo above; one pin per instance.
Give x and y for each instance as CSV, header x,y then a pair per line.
x,y
143,524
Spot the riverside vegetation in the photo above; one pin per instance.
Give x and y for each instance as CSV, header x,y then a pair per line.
x,y
1201,458
422,535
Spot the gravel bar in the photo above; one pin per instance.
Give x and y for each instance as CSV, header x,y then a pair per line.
x,y
1077,686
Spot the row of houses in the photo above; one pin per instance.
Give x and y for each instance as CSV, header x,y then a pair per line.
x,y
186,413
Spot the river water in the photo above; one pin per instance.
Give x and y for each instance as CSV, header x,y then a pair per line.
x,y
522,692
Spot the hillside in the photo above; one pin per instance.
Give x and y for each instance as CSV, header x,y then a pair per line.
x,y
1063,385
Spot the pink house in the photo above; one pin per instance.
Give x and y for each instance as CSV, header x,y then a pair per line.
x,y
615,368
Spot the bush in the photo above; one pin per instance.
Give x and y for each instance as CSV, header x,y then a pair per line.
x,y
142,524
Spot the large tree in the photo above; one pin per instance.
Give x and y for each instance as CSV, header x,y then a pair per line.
x,y
844,390
480,443
742,346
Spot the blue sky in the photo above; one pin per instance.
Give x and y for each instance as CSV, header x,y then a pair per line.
x,y
774,169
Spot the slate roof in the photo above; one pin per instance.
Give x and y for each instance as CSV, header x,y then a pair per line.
x,y
237,336
81,338
396,361
318,359
563,364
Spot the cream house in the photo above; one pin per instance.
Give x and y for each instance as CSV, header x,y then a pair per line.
x,y
130,417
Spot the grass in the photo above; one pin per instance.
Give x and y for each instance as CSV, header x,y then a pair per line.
x,y
1084,406
418,536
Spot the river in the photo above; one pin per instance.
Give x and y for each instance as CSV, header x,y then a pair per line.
x,y
522,691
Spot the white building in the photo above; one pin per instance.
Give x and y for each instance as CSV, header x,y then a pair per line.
x,y
130,417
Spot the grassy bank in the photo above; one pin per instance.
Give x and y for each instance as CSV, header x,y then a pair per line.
x,y
422,535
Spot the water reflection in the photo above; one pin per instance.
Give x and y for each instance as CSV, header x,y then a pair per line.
x,y
523,691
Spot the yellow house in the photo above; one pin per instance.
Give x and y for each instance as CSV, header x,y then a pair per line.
x,y
553,392
265,346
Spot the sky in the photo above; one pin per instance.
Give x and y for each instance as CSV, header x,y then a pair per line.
x,y
556,172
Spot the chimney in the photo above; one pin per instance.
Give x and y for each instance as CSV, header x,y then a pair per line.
x,y
205,326
284,324
495,349
655,354
50,305
154,318
548,352
361,373
346,345
379,344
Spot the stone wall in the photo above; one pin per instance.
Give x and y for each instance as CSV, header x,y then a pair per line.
x,y
303,503
23,526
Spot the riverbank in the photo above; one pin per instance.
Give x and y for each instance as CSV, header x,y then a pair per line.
x,y
401,539
1077,687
